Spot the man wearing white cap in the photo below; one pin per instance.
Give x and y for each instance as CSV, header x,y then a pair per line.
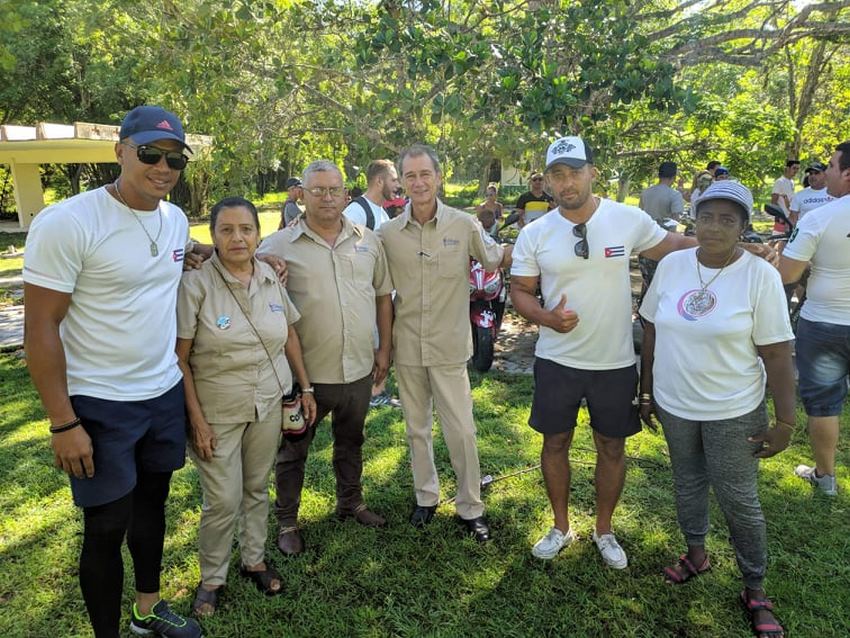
x,y
579,254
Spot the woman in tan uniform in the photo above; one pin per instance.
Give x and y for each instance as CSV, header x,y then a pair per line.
x,y
234,324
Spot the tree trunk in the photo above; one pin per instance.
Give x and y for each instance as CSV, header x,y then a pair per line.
x,y
623,187
484,176
817,64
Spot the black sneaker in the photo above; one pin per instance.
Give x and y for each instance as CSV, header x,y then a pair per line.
x,y
163,622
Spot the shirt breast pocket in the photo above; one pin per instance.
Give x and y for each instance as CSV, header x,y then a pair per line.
x,y
453,262
360,266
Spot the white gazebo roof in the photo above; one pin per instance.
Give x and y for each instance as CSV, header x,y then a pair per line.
x,y
25,147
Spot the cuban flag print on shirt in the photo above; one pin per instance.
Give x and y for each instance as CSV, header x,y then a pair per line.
x,y
615,251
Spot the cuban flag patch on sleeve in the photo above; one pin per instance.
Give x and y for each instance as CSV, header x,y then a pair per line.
x,y
177,255
615,251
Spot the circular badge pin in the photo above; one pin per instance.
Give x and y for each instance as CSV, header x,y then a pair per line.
x,y
223,322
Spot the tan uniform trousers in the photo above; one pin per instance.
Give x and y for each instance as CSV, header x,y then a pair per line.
x,y
236,488
447,389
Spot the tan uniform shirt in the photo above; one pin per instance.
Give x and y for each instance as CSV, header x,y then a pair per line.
x,y
430,269
233,376
334,289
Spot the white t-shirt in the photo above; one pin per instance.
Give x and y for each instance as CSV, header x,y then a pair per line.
x,y
823,237
120,329
808,199
354,211
783,186
598,288
706,364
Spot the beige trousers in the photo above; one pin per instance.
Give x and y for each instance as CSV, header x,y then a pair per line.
x,y
446,388
236,489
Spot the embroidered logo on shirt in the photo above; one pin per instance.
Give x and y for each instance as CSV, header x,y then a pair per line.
x,y
361,248
177,255
450,242
274,307
615,251
223,322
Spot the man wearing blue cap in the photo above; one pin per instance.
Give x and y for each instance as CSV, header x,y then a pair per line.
x,y
100,284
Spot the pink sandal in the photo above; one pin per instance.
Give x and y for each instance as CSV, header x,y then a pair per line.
x,y
686,570
765,629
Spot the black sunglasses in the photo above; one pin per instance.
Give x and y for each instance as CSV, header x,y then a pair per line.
x,y
151,155
581,248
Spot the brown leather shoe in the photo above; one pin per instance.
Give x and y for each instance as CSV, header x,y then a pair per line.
x,y
364,516
290,542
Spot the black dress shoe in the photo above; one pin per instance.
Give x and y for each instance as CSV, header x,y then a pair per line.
x,y
422,515
477,528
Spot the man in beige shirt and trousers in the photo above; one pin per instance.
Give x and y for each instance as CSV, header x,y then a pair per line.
x,y
340,284
428,248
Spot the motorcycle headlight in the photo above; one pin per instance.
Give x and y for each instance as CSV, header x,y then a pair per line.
x,y
472,288
492,287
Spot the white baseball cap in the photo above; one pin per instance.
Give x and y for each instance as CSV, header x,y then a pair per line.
x,y
572,151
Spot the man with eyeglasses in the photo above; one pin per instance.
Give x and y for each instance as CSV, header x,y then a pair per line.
x,y
534,203
579,255
428,249
100,288
339,281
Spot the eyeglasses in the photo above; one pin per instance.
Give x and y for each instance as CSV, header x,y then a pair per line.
x,y
581,248
151,155
322,191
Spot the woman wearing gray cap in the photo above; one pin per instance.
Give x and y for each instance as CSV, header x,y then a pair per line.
x,y
717,329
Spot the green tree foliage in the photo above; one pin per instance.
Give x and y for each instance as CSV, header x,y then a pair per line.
x,y
281,82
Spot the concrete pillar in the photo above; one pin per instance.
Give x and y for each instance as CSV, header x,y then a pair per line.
x,y
29,197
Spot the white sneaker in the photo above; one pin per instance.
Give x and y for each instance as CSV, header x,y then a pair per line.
x,y
826,483
612,553
554,541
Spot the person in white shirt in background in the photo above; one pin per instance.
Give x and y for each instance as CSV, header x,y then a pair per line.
x,y
823,332
367,210
813,196
783,192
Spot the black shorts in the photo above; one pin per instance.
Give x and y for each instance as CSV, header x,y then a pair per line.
x,y
128,437
611,399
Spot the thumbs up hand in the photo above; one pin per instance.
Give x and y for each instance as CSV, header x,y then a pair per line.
x,y
560,319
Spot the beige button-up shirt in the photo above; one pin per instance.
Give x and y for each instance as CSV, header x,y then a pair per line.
x,y
429,265
233,374
334,289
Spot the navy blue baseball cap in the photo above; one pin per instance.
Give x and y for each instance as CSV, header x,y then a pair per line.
x,y
145,124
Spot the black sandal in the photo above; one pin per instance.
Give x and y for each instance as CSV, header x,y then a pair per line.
x,y
205,597
263,579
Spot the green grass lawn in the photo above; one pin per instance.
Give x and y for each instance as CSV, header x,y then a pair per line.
x,y
354,581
